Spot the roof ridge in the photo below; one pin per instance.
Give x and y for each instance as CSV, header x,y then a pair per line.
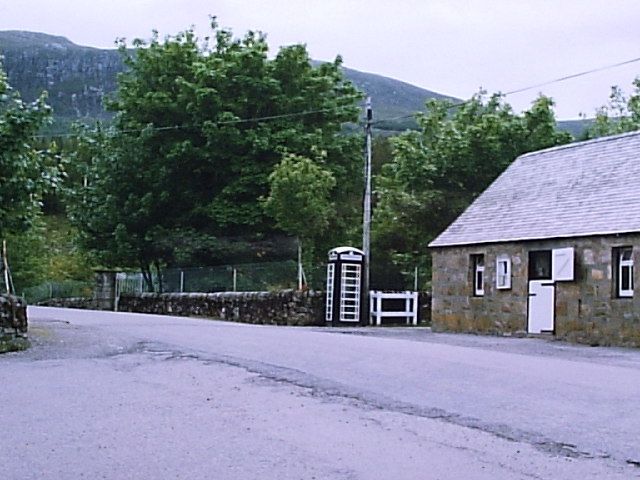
x,y
607,138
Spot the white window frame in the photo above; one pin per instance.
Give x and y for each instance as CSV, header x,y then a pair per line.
x,y
478,275
625,264
503,275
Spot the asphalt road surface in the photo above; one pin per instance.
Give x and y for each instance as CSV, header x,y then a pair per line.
x,y
124,396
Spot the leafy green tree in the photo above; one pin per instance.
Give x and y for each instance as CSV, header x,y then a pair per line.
x,y
300,201
381,153
199,128
25,172
621,114
438,171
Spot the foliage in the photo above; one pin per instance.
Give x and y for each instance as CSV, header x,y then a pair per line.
x,y
187,154
622,114
26,175
25,253
300,200
25,172
47,252
382,153
437,172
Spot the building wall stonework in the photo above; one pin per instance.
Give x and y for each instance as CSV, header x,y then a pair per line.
x,y
587,309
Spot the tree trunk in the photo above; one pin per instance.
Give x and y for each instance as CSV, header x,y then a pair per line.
x,y
159,273
145,268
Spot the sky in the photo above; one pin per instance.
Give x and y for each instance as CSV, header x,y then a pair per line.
x,y
454,47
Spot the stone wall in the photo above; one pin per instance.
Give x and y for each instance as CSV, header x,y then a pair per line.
x,y
587,309
424,308
287,307
104,292
13,323
84,303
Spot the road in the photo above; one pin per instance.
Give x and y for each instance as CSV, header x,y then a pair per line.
x,y
126,396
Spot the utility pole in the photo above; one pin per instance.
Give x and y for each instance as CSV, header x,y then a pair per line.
x,y
366,220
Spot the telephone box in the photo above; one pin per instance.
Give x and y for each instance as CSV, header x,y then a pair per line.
x,y
344,286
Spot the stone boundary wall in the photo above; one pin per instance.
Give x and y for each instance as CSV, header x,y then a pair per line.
x,y
84,303
424,308
13,323
287,307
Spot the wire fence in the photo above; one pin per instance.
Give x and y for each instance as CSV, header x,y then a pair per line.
x,y
226,278
265,276
63,289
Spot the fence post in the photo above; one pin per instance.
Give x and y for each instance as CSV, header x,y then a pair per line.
x,y
407,306
372,296
235,280
181,281
117,288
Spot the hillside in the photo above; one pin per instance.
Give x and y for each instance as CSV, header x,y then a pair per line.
x,y
77,79
392,98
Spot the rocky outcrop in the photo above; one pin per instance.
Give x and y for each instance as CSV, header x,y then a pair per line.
x,y
76,78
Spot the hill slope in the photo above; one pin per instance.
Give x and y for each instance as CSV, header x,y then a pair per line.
x,y
77,79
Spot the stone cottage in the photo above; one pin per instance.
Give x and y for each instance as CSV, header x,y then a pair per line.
x,y
549,247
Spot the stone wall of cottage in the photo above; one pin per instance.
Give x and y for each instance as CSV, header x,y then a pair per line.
x,y
587,310
13,323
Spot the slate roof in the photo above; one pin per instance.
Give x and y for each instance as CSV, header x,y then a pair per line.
x,y
580,189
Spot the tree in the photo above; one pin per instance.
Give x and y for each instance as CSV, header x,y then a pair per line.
x,y
200,126
25,172
300,201
438,171
622,114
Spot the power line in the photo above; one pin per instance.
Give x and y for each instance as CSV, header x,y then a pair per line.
x,y
217,123
337,109
574,75
537,85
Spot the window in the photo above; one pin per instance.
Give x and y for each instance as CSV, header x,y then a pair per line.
x,y
503,272
540,265
624,271
478,274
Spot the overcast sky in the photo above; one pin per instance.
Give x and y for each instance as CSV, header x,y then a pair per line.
x,y
449,46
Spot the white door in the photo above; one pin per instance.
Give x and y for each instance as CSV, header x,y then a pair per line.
x,y
350,293
541,303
